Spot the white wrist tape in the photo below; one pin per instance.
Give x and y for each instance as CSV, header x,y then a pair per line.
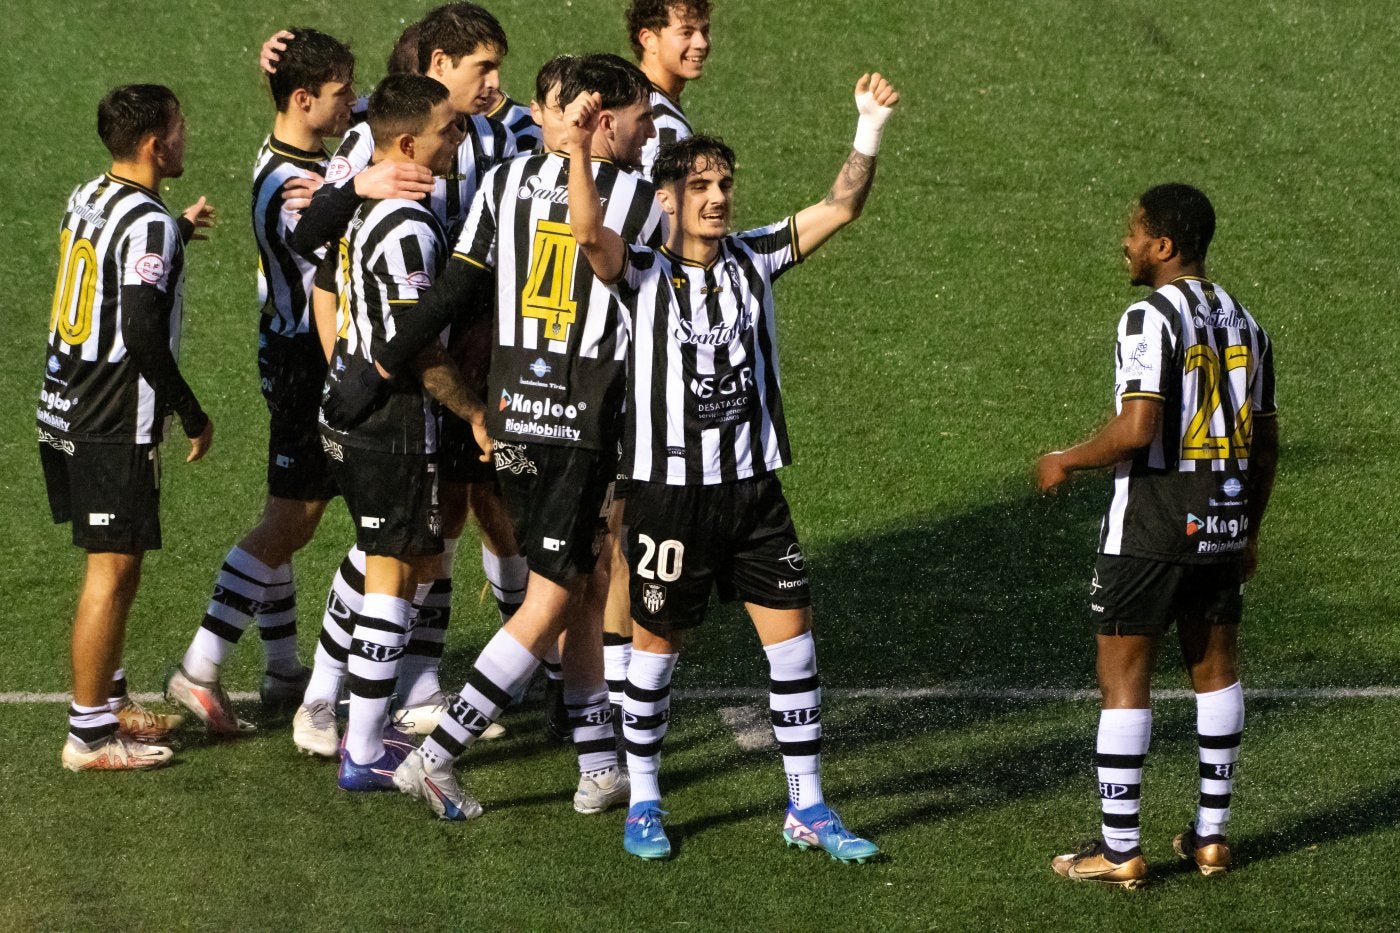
x,y
871,125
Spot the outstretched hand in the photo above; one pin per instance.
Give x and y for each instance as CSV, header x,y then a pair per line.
x,y
581,119
272,50
201,215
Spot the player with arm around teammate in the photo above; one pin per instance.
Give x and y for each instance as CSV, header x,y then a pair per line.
x,y
705,436
1193,444
111,381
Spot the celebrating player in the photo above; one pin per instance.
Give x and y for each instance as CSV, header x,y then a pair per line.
x,y
312,91
110,382
1194,444
671,39
705,436
556,383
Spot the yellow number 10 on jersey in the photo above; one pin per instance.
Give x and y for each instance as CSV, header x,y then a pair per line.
x,y
1197,443
76,290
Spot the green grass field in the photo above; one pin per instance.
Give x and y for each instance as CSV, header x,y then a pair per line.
x,y
930,353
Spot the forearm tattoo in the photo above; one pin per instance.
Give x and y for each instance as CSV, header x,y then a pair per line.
x,y
853,183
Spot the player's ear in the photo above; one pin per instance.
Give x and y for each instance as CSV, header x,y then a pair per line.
x,y
437,62
666,199
648,40
1164,248
301,99
406,144
537,113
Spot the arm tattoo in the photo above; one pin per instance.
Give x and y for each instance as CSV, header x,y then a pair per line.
x,y
444,382
852,185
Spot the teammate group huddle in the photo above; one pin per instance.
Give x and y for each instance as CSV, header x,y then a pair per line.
x,y
537,316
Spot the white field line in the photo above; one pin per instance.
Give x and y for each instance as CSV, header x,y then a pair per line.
x,y
948,692
752,730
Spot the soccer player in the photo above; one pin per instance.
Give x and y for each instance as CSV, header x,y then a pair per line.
x,y
384,460
705,436
460,45
1193,443
556,383
110,382
671,39
312,92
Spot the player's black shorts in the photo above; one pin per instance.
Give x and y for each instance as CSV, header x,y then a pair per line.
x,y
393,499
459,457
1142,596
293,371
558,499
110,492
737,537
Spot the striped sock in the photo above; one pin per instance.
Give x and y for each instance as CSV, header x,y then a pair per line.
x,y
344,603
591,720
617,652
646,713
795,708
117,692
501,670
240,590
418,676
508,574
375,652
1219,726
277,622
90,726
1124,735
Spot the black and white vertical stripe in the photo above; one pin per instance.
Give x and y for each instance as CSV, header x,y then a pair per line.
x,y
520,124
285,277
671,125
114,233
704,399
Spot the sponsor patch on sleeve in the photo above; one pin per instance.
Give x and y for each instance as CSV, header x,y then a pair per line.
x,y
419,280
337,170
150,268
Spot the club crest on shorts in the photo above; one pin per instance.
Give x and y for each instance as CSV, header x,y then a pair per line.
x,y
653,597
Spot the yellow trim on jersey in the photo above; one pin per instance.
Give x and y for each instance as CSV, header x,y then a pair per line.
x,y
403,301
301,156
677,257
467,259
498,108
1265,414
1189,278
1157,396
132,184
796,249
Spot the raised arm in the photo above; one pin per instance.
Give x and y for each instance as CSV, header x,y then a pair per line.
x,y
875,100
603,248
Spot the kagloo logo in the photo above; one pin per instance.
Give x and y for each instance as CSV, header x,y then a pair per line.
x,y
1193,524
539,408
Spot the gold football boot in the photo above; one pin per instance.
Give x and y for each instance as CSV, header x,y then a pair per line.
x,y
1210,853
1092,863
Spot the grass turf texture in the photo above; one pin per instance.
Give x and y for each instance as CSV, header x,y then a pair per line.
x,y
961,328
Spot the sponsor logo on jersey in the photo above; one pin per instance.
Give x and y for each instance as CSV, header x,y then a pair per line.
x,y
653,597
1220,547
338,169
1138,361
794,557
792,584
685,332
54,400
539,408
419,279
91,214
150,267
1205,317
727,384
1232,487
52,420
1193,524
539,368
557,431
53,363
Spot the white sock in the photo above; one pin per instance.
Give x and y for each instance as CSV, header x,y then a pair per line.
x,y
1219,726
1124,735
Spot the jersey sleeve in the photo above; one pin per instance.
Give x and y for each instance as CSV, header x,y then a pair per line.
x,y
409,264
1142,357
476,244
774,247
352,157
1263,390
148,254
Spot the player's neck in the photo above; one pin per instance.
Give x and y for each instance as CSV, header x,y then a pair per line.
x,y
291,129
1169,272
692,249
670,84
145,174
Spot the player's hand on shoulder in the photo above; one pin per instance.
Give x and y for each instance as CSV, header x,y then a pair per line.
x,y
875,94
298,190
200,214
201,442
272,50
384,181
1050,472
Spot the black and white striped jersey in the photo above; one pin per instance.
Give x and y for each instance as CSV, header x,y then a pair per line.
x,y
486,143
559,340
285,277
671,125
520,124
115,233
391,254
1184,497
704,397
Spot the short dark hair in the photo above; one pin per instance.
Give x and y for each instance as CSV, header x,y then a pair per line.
x,y
656,16
130,113
676,160
555,71
1181,213
310,60
459,29
402,104
403,60
619,82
